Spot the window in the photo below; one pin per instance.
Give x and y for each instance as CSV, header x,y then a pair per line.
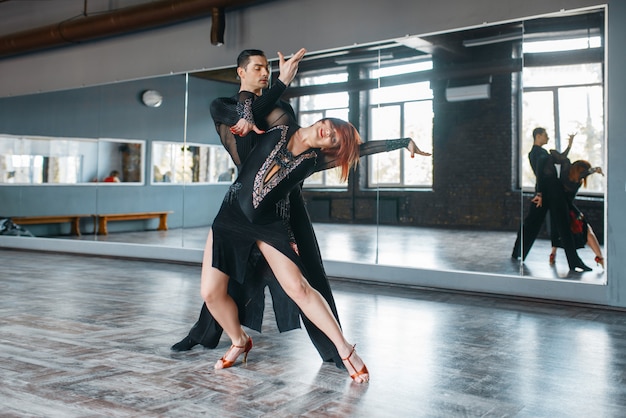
x,y
175,162
318,106
564,99
396,112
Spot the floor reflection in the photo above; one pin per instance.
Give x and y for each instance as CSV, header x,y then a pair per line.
x,y
89,336
430,248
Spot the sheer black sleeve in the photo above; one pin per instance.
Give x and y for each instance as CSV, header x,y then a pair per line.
x,y
263,105
559,157
262,110
224,114
327,161
228,110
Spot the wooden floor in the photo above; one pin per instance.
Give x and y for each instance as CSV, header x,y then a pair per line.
x,y
84,336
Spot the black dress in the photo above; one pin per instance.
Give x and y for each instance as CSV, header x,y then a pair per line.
x,y
268,111
256,206
578,221
555,199
249,296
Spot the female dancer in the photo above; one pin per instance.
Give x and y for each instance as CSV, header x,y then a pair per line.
x,y
253,73
265,107
255,213
573,176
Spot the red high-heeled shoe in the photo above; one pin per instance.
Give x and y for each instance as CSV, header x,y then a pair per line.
x,y
228,363
599,261
362,375
552,259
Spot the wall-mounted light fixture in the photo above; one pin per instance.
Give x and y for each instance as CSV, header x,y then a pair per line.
x,y
152,98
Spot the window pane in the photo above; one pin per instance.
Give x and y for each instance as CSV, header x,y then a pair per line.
x,y
324,101
538,110
308,119
333,177
418,125
315,179
562,75
384,168
338,113
402,93
563,44
322,79
581,112
401,69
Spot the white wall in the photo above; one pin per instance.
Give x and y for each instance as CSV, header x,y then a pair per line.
x,y
287,25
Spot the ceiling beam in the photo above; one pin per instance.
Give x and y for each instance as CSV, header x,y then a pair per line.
x,y
119,22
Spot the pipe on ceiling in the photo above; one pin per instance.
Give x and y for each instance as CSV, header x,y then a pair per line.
x,y
119,22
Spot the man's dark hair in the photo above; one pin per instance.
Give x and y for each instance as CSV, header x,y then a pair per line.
x,y
244,56
538,131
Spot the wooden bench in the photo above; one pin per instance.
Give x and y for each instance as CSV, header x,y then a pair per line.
x,y
74,221
104,218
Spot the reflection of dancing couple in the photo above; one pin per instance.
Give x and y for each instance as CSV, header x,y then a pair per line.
x,y
569,228
262,235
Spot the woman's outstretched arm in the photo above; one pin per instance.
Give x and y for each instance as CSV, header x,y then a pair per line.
x,y
376,147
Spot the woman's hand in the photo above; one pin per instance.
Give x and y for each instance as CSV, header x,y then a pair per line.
x,y
414,149
243,128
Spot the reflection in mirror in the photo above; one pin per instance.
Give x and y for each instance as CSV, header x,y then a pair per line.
x,y
120,161
53,160
563,92
109,129
454,94
465,98
458,94
190,163
42,160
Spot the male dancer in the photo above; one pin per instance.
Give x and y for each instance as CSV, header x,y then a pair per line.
x,y
549,196
253,72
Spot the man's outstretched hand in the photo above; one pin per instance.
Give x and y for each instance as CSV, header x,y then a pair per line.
x,y
289,68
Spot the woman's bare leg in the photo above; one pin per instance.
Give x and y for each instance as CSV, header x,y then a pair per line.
x,y
313,305
214,291
593,243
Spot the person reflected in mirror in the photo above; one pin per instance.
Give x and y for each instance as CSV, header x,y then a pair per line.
x,y
228,175
574,176
113,177
549,196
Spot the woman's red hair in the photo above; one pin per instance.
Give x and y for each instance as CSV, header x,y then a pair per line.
x,y
347,153
578,167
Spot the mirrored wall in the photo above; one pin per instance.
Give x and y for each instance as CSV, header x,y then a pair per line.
x,y
471,97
